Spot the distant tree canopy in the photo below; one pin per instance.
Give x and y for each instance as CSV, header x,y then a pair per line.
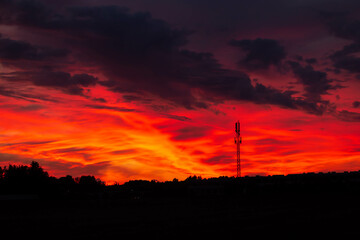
x,y
193,178
88,180
33,179
14,173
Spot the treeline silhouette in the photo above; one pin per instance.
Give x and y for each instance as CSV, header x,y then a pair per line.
x,y
34,180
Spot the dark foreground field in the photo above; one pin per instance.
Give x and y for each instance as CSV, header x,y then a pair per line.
x,y
301,206
294,216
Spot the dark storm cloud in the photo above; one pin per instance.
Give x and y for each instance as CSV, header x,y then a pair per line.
x,y
21,50
144,56
356,104
131,98
24,12
311,60
62,80
316,83
346,58
343,26
285,99
33,63
71,84
260,53
348,116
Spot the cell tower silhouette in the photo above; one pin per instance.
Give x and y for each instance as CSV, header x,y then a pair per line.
x,y
238,141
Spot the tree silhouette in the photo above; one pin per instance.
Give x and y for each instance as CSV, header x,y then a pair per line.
x,y
88,180
34,180
68,180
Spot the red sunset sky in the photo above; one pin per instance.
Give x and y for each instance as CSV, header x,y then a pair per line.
x,y
140,89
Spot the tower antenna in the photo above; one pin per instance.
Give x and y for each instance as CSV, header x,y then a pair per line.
x,y
238,141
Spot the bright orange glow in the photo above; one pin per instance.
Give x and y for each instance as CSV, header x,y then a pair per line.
x,y
120,141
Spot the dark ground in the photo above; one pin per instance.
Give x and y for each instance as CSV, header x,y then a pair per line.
x,y
301,206
315,215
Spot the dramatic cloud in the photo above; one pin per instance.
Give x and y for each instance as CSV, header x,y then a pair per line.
x,y
143,55
346,58
316,83
344,27
71,84
348,116
20,50
260,53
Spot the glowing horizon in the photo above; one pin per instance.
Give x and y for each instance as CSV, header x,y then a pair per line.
x,y
117,145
